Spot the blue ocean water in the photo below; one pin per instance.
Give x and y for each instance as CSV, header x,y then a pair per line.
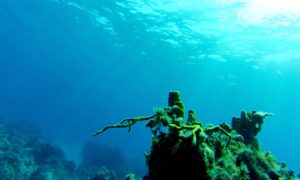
x,y
74,66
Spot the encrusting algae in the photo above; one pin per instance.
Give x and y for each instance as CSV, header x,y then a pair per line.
x,y
194,152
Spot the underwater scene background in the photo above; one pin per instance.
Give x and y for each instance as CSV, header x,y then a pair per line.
x,y
71,67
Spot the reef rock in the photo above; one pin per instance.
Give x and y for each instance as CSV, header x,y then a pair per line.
x,y
194,152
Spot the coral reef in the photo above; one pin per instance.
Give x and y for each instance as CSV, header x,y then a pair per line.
x,y
191,151
180,150
25,156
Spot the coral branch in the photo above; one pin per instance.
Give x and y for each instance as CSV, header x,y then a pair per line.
x,y
124,123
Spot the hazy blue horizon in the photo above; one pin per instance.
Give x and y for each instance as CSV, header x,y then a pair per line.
x,y
74,66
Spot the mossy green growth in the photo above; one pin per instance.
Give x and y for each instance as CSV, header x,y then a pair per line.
x,y
191,151
249,125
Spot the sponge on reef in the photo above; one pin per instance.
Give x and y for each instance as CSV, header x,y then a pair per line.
x,y
191,151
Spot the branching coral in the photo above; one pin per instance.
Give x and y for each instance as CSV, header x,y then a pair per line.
x,y
172,117
124,124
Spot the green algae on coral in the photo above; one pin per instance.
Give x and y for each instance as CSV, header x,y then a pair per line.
x,y
249,125
192,151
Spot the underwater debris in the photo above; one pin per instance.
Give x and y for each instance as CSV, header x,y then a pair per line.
x,y
192,151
